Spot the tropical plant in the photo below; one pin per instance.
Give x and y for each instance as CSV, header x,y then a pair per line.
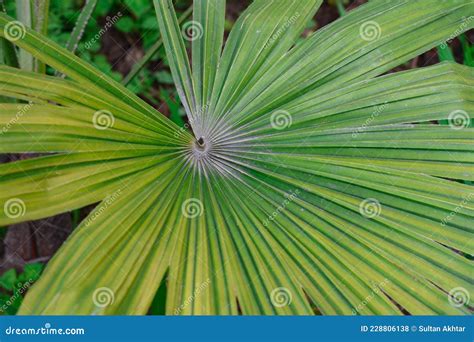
x,y
314,182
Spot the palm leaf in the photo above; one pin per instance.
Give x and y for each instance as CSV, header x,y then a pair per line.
x,y
208,21
78,179
177,55
313,184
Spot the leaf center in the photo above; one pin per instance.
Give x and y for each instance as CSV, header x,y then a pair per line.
x,y
201,148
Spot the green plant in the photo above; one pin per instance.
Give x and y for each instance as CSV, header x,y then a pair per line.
x,y
13,287
312,184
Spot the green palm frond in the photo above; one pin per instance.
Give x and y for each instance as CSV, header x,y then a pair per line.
x,y
314,182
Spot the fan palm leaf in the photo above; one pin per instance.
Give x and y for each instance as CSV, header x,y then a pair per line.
x,y
314,181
